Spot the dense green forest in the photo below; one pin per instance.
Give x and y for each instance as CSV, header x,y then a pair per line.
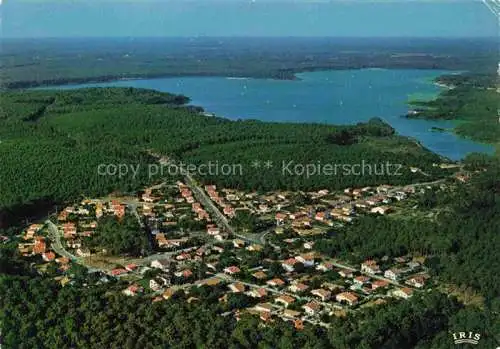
x,y
52,143
119,236
472,100
38,313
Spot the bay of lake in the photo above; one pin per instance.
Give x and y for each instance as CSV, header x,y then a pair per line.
x,y
332,97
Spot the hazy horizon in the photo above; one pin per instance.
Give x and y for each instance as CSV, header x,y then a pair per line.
x,y
247,18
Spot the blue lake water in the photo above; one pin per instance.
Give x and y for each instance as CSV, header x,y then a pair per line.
x,y
333,97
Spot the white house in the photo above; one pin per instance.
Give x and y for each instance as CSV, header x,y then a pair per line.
x,y
163,264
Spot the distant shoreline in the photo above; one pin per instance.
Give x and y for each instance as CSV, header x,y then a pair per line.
x,y
286,75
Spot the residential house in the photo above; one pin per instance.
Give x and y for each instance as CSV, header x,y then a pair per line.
x,y
257,293
400,195
74,243
404,292
48,256
320,216
325,266
183,256
210,187
323,294
370,267
157,283
163,264
63,216
311,308
357,192
280,218
417,281
202,252
379,284
400,260
346,273
40,246
259,275
69,230
289,264
393,274
381,210
384,188
413,265
265,316
306,259
285,300
232,270
131,267
118,271
374,200
254,248
229,211
347,297
186,273
361,280
291,314
62,260
237,287
263,208
275,282
213,230
212,266
133,290
264,307
309,245
238,243
298,287
303,222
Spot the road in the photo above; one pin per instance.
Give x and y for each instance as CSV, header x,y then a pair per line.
x,y
58,247
208,204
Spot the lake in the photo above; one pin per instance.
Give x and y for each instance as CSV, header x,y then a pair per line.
x,y
333,97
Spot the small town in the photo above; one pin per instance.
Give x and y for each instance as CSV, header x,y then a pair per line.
x,y
255,252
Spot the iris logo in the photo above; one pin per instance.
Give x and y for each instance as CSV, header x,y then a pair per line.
x,y
466,337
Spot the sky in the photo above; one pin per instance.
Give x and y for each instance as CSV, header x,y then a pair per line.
x,y
189,18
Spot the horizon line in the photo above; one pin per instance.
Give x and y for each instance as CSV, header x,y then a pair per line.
x,y
245,37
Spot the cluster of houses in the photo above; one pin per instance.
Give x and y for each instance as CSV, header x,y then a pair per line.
x,y
308,284
164,211
34,243
231,201
277,295
79,221
294,295
170,271
341,208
